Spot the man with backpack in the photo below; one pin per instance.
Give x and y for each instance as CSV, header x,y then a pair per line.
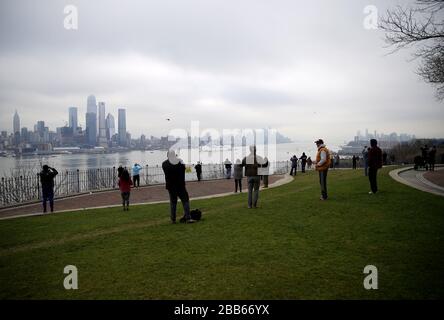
x,y
174,170
322,163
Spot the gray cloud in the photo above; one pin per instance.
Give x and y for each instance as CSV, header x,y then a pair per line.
x,y
296,65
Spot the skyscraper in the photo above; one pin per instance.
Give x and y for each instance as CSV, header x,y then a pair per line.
x,y
122,127
16,123
110,126
102,125
91,106
91,128
73,122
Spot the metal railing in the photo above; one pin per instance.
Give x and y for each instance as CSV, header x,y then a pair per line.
x,y
27,188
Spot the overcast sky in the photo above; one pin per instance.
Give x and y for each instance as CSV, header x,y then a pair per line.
x,y
307,68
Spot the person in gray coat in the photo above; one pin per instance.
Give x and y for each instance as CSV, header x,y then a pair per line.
x,y
238,174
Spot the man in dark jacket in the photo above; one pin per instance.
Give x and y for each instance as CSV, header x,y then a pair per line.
x,y
47,176
294,165
198,168
251,163
174,170
303,159
374,163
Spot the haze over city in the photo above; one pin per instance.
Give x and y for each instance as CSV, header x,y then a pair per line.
x,y
306,69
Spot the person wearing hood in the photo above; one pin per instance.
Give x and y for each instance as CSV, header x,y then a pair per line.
x,y
238,175
174,170
322,164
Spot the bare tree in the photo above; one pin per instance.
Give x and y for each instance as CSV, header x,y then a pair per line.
x,y
423,28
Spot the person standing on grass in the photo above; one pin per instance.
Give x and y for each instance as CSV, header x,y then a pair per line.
x,y
322,164
309,163
294,165
432,158
198,168
125,184
238,174
174,170
303,159
136,174
251,163
263,172
47,176
365,158
374,164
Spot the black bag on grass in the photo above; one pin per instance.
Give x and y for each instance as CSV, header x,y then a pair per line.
x,y
195,214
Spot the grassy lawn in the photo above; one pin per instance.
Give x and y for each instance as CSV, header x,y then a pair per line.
x,y
293,247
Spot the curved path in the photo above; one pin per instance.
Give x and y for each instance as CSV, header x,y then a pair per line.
x,y
416,179
142,195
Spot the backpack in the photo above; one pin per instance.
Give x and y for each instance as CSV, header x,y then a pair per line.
x,y
195,214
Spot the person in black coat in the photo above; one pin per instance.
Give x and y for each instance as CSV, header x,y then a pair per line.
x,y
174,170
47,176
198,168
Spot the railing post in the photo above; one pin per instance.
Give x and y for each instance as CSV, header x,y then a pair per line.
x,y
78,181
146,175
38,186
114,177
67,182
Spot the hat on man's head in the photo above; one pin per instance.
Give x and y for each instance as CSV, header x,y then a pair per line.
x,y
319,141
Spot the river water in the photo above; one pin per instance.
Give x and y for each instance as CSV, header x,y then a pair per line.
x,y
11,165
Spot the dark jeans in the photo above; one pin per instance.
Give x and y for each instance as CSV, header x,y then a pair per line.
x,y
182,194
366,170
372,172
48,195
265,179
136,180
238,183
323,183
253,190
432,166
303,167
291,171
125,198
199,176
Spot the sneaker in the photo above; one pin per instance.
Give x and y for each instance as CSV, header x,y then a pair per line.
x,y
191,221
370,192
249,207
173,221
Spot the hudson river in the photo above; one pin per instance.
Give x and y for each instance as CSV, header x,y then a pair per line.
x,y
9,165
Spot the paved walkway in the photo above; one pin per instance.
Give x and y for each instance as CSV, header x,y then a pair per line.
x,y
421,180
143,195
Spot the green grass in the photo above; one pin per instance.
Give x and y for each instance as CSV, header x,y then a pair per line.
x,y
293,247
